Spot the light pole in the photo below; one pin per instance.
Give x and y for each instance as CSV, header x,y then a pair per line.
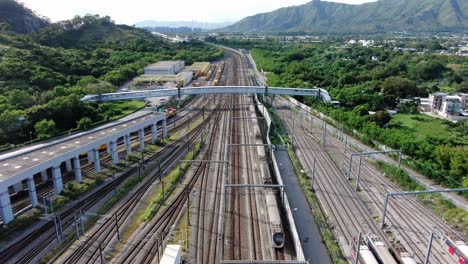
x,y
30,137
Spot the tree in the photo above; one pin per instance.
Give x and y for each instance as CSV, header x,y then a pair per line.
x,y
99,88
380,118
45,128
395,88
84,123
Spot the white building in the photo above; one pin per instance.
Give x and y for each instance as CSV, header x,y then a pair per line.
x,y
451,105
165,67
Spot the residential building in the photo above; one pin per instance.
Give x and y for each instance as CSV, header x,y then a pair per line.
x,y
451,106
464,100
435,100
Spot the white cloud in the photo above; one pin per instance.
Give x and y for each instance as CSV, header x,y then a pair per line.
x,y
130,12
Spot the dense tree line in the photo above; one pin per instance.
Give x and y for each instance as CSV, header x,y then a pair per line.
x,y
44,75
375,79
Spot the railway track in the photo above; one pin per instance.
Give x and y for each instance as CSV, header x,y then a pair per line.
x,y
146,246
104,235
29,245
412,232
22,202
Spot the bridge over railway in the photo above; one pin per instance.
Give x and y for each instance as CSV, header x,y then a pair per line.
x,y
179,92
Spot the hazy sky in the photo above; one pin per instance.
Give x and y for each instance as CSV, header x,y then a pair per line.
x,y
130,12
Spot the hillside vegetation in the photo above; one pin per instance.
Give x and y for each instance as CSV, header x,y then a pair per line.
x,y
380,16
363,84
20,19
44,75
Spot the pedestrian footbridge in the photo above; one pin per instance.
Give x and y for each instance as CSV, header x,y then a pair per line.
x,y
179,92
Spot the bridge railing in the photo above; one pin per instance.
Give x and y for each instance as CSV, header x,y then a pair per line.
x,y
138,95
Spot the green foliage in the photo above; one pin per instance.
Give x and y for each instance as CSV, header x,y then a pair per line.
x,y
399,176
170,183
98,88
396,88
44,76
435,148
45,128
21,222
84,123
381,118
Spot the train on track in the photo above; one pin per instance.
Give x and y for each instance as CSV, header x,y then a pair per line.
x,y
366,256
458,248
380,250
218,74
276,227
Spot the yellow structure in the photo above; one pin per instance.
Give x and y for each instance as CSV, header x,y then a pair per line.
x,y
199,68
182,79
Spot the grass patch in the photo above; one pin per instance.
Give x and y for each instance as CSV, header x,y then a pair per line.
x,y
182,232
399,176
455,216
126,107
19,223
421,125
171,181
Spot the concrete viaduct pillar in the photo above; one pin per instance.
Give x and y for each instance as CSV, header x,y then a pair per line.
x,y
44,176
109,148
68,165
97,161
77,165
57,178
18,187
90,157
127,143
114,152
6,211
154,132
32,191
164,124
141,136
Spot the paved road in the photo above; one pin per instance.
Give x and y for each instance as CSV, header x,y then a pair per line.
x,y
314,250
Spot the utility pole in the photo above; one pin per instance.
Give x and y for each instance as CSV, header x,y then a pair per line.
x,y
117,226
359,173
429,248
358,248
324,135
313,173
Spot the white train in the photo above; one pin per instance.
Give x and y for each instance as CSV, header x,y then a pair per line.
x,y
406,258
276,227
380,250
366,256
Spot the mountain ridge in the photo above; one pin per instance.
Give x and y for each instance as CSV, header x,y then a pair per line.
x,y
19,18
379,16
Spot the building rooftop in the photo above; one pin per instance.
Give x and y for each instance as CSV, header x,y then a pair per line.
x,y
439,94
163,64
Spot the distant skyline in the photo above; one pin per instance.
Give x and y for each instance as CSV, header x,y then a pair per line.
x,y
131,12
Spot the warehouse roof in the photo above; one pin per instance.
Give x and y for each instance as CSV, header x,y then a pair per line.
x,y
163,64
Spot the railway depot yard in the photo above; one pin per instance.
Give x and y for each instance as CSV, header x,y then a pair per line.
x,y
212,185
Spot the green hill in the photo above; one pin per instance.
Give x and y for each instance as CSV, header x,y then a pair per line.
x,y
19,18
380,16
90,31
